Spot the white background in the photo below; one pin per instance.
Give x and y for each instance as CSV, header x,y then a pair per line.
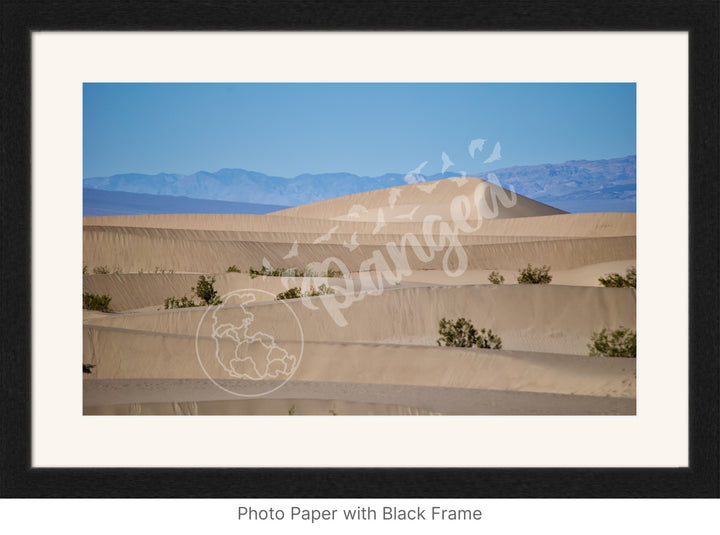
x,y
219,517
657,436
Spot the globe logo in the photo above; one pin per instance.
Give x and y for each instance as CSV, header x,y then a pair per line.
x,y
249,346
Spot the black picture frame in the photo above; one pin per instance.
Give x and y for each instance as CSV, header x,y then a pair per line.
x,y
701,18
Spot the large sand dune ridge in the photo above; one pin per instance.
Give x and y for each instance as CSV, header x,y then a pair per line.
x,y
415,201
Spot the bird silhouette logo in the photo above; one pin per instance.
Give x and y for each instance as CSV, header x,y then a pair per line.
x,y
293,251
428,188
495,154
353,242
266,264
460,180
476,145
447,162
380,221
409,215
356,211
326,237
393,197
414,176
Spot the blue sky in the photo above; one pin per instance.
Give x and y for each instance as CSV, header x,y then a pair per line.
x,y
366,129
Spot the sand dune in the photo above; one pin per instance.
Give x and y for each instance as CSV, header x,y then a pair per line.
x,y
371,352
444,400
131,291
273,226
415,201
357,373
203,253
586,275
558,319
279,407
163,356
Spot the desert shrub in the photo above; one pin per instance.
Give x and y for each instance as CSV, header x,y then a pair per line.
x,y
292,293
293,272
101,270
205,290
458,333
488,340
615,280
96,302
296,292
321,290
462,333
621,342
264,272
183,302
534,275
233,269
496,278
330,273
87,368
85,269
267,272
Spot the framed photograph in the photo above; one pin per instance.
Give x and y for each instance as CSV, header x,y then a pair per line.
x,y
400,263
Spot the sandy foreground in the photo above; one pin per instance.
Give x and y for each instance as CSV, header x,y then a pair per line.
x,y
407,257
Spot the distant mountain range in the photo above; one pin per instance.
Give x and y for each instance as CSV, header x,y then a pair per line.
x,y
576,186
99,202
599,185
